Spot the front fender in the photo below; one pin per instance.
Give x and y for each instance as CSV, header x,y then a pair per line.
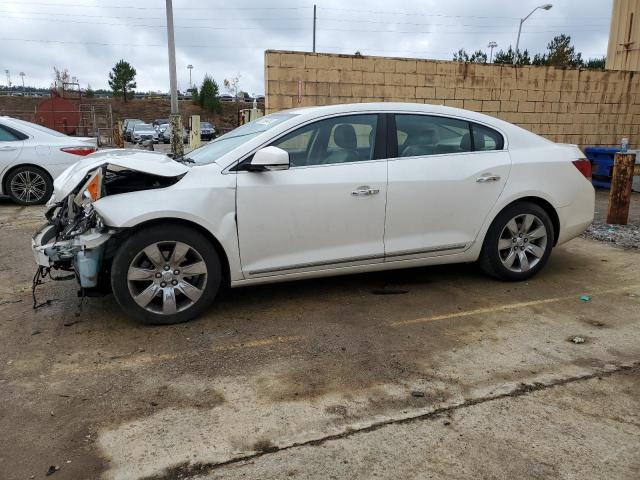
x,y
211,208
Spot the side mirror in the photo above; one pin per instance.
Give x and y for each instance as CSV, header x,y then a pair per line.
x,y
269,158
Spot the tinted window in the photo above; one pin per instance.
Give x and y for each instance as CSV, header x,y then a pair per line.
x,y
485,138
7,136
425,135
334,140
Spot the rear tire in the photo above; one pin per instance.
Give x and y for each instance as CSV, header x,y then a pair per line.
x,y
29,185
166,274
518,243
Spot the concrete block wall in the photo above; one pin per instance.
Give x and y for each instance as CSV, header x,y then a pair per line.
x,y
584,107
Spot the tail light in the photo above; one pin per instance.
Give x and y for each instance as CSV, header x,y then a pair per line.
x,y
82,151
584,166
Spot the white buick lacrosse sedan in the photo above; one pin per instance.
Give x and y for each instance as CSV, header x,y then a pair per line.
x,y
312,192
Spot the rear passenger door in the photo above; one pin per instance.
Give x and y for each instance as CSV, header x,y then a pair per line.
x,y
445,177
11,143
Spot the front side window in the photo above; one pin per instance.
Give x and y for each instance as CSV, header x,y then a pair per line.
x,y
425,135
7,136
334,140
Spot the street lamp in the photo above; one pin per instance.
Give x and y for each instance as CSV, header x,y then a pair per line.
x,y
190,67
492,45
546,6
22,75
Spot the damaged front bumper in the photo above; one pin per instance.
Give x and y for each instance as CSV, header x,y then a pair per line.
x,y
82,254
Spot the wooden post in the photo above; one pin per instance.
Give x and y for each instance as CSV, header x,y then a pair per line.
x,y
118,141
620,192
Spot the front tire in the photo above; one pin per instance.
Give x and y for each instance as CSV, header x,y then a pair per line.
x,y
518,243
166,274
29,185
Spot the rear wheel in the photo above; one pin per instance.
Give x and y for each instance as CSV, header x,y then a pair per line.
x,y
165,274
518,243
29,185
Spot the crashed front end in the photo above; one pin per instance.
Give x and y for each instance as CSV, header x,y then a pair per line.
x,y
74,238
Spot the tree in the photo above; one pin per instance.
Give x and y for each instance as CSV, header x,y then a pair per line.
x,y
595,63
461,56
89,93
562,53
503,57
122,79
194,95
478,57
208,97
233,87
60,77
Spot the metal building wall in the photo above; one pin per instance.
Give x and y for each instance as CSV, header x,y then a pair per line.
x,y
623,52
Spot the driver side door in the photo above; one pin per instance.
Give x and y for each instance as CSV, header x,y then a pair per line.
x,y
327,210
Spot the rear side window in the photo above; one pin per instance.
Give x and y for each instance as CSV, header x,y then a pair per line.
x,y
420,135
485,138
7,136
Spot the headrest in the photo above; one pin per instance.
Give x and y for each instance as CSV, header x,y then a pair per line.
x,y
465,142
345,137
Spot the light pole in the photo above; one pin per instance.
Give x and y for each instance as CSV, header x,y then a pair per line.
x,y
22,75
546,6
491,45
190,67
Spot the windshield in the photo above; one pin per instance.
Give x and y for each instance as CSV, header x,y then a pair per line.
x,y
143,128
229,141
205,125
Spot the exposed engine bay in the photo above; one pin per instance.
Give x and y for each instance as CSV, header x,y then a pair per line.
x,y
75,239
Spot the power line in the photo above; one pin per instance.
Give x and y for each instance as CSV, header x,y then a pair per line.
x,y
129,7
447,24
416,14
91,22
63,42
146,17
205,27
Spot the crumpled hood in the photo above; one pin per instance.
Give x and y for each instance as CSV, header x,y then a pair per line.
x,y
139,160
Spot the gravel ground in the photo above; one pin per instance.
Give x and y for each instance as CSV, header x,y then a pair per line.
x,y
624,236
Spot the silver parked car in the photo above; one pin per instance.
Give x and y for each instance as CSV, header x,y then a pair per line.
x,y
144,131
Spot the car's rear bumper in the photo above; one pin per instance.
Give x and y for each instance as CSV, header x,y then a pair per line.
x,y
577,216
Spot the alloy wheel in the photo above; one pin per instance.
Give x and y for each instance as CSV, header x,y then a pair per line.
x,y
28,186
522,243
167,277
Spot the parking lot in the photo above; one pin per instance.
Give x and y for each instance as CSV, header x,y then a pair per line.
x,y
435,372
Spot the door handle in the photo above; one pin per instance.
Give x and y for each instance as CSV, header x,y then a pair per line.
x,y
487,177
364,191
8,149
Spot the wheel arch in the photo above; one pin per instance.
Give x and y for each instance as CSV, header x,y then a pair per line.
x,y
7,173
545,205
222,254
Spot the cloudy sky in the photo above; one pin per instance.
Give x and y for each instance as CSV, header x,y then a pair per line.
x,y
225,39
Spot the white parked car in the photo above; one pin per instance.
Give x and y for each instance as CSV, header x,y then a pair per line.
x,y
31,156
312,192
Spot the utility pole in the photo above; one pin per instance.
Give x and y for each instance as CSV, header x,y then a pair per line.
x,y
8,77
190,67
314,28
22,75
177,147
492,45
